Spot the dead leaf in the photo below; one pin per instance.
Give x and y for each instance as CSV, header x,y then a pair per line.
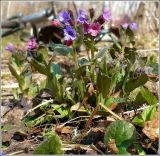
x,y
14,116
67,130
112,146
6,137
95,130
64,130
151,128
4,110
114,105
90,89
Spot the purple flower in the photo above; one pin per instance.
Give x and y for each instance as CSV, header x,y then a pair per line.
x,y
2,154
69,33
81,16
125,25
86,26
64,17
9,47
134,26
32,44
94,29
107,15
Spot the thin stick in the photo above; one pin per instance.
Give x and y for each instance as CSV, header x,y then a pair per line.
x,y
43,103
108,110
18,152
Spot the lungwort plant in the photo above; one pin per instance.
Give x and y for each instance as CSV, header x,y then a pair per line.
x,y
110,75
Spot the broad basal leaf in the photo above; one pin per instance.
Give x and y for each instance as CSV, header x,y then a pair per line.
x,y
103,84
39,67
61,49
149,97
52,145
123,133
56,69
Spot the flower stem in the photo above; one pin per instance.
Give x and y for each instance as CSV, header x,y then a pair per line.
x,y
92,66
75,58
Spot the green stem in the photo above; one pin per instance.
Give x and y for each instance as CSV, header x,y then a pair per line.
x,y
75,58
92,66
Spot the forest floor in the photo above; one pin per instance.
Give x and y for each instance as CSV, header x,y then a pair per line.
x,y
17,138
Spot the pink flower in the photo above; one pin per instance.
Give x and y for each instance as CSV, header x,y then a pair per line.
x,y
32,44
56,23
69,42
86,26
94,29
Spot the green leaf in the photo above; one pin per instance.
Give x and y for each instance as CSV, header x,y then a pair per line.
x,y
103,84
39,67
122,150
56,69
83,61
90,45
80,70
135,82
119,100
61,49
78,41
139,149
130,53
52,145
124,134
108,101
130,34
15,74
33,90
101,53
146,115
42,54
27,79
139,100
148,96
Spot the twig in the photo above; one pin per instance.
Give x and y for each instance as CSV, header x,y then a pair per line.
x,y
43,103
128,112
70,121
108,110
96,149
18,152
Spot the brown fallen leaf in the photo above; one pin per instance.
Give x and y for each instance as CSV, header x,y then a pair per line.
x,y
112,146
151,128
64,130
24,145
90,89
114,105
6,137
67,130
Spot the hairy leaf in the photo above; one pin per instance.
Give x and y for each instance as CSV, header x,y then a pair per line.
x,y
135,82
146,115
61,49
123,133
52,145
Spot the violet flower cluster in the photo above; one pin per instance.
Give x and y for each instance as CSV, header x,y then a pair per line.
x,y
133,26
10,47
90,28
